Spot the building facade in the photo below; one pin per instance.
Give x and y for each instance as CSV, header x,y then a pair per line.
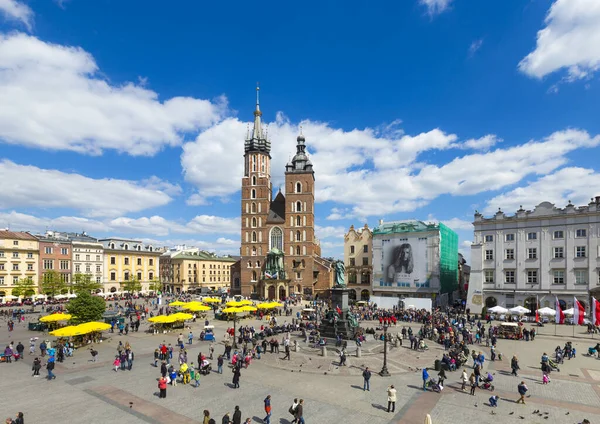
x,y
191,270
127,260
55,256
358,260
529,258
19,259
282,226
88,257
415,259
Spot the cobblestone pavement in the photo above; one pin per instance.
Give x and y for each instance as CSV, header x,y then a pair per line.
x,y
86,392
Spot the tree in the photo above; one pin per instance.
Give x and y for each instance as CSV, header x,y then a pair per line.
x,y
25,287
155,285
52,283
132,285
86,307
84,283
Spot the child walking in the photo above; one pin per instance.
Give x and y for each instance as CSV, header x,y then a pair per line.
x,y
117,363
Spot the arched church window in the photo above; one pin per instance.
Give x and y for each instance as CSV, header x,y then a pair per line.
x,y
298,250
298,187
258,264
253,193
253,222
298,206
254,180
253,275
253,207
276,238
253,236
298,236
298,221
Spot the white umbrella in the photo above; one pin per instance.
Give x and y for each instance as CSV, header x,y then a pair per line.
x,y
71,296
411,307
498,310
519,310
571,311
546,311
10,297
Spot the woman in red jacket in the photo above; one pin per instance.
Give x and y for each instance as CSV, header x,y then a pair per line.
x,y
162,386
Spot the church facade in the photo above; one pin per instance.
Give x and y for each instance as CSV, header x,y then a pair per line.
x,y
280,255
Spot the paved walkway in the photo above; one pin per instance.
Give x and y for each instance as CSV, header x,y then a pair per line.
x,y
85,392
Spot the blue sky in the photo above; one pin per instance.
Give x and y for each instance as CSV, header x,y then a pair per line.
x,y
128,118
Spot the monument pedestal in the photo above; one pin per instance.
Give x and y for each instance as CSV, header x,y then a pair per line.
x,y
329,327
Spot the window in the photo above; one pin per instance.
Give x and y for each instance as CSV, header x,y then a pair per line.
x,y
298,206
126,276
532,276
253,236
298,236
559,235
531,236
510,253
509,277
532,253
510,237
580,276
352,261
29,255
151,262
139,276
97,258
15,280
253,207
77,268
98,280
64,251
580,252
559,252
298,221
87,257
253,193
365,261
15,267
352,249
88,269
489,255
113,276
98,268
489,276
489,239
1,267
29,267
16,255
559,277
298,250
15,243
113,260
64,264
126,261
48,264
48,250
581,233
365,248
254,180
1,281
1,254
77,256
139,261
298,188
151,276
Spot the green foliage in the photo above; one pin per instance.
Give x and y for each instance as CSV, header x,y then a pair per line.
x,y
52,283
86,307
132,286
25,287
84,283
155,285
484,312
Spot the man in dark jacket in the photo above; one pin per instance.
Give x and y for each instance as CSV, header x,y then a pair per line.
x,y
237,415
300,412
50,368
20,350
366,376
163,369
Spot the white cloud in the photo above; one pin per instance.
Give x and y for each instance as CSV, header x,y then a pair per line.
x,y
329,232
435,7
17,11
152,226
53,97
483,143
571,40
573,183
475,45
221,246
29,186
457,224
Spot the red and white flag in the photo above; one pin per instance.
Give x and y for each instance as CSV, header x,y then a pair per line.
x,y
560,315
578,312
595,311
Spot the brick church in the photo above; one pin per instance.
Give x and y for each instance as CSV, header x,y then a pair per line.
x,y
283,225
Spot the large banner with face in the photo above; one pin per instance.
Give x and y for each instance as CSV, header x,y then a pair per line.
x,y
405,261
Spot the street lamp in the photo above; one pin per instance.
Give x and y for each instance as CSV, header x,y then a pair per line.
x,y
384,371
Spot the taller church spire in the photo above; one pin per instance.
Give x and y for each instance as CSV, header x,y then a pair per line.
x,y
258,141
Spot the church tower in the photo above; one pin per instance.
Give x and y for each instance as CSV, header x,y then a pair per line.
x,y
256,200
299,234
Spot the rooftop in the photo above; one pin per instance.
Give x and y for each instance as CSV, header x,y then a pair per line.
x,y
544,209
16,235
405,226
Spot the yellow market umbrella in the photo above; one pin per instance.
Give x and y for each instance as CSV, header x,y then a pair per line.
x,y
181,316
70,331
245,302
248,308
93,326
233,310
234,304
177,303
275,304
162,319
55,318
197,308
211,300
266,305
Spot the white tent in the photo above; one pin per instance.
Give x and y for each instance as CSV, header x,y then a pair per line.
x,y
71,296
519,310
546,311
498,310
571,311
60,296
10,297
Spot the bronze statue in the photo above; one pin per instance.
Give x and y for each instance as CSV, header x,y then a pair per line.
x,y
274,265
340,270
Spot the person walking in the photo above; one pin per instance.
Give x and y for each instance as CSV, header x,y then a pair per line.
x,y
292,410
267,401
163,369
162,387
464,378
473,382
37,365
220,364
366,377
50,368
522,389
236,377
441,377
425,377
300,412
514,365
391,393
237,415
206,417
225,419
287,352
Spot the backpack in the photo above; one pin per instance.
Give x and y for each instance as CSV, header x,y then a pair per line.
x,y
292,410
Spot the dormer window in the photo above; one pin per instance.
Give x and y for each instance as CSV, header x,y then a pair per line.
x,y
126,247
112,245
139,248
151,248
